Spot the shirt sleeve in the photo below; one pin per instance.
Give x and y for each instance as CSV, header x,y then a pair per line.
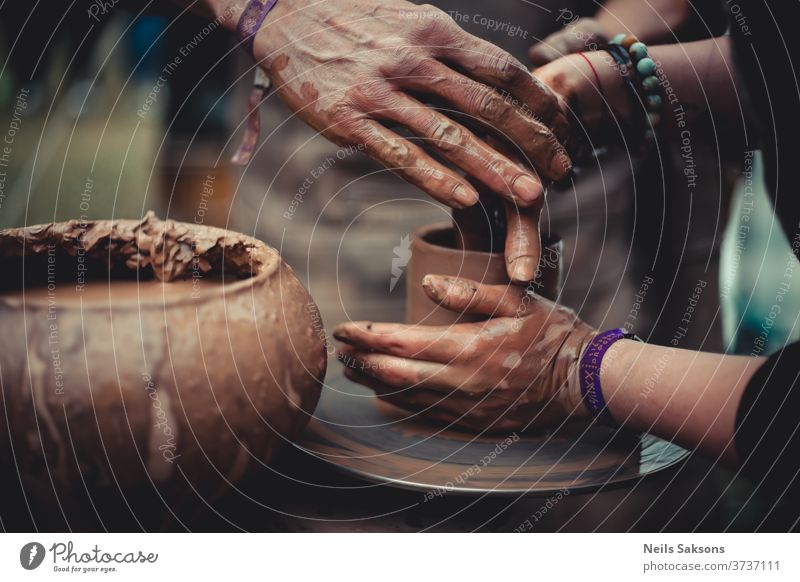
x,y
768,423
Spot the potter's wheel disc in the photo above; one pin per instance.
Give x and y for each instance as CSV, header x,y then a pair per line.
x,y
350,432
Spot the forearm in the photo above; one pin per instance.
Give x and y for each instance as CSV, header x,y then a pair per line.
x,y
653,21
686,396
697,80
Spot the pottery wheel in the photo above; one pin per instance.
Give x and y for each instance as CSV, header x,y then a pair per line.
x,y
350,432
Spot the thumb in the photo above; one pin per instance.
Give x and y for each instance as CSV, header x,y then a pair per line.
x,y
468,296
523,242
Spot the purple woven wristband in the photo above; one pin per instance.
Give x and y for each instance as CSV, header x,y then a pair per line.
x,y
590,373
249,24
251,20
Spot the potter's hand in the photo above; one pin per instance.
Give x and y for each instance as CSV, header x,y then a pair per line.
x,y
507,373
351,68
577,35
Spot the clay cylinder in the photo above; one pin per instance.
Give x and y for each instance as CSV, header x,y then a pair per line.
x,y
433,251
176,391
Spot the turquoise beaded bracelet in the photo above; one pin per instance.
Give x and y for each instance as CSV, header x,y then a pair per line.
x,y
650,86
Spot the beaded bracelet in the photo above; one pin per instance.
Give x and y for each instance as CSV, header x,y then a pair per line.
x,y
635,129
646,91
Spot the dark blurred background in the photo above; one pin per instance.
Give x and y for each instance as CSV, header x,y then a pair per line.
x,y
103,122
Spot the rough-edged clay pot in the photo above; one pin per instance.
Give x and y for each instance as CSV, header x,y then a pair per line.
x,y
433,251
173,396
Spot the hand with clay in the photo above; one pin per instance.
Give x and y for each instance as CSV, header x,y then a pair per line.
x,y
354,69
351,68
515,370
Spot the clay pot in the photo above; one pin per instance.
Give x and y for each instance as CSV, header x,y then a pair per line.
x,y
176,389
433,251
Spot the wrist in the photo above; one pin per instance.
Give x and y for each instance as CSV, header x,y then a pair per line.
x,y
227,12
230,12
608,22
286,15
616,368
600,360
572,394
594,30
604,102
661,21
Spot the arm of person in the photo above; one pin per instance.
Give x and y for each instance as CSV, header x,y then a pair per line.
x,y
355,70
655,21
520,368
697,80
689,397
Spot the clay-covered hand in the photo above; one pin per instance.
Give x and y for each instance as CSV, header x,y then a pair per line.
x,y
350,69
515,370
581,35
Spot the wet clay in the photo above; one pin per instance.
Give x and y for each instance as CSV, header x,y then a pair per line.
x,y
165,249
117,291
434,251
149,356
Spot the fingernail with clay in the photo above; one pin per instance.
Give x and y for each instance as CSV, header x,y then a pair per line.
x,y
527,189
464,196
523,269
340,332
436,287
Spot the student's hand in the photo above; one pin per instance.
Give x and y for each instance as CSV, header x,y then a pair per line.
x,y
514,370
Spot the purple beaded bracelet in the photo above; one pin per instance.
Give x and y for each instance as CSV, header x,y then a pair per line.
x,y
590,372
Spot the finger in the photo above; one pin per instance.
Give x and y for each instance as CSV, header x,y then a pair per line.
x,y
400,372
545,52
584,34
460,146
507,115
415,166
413,399
468,296
523,243
494,67
556,46
440,344
452,408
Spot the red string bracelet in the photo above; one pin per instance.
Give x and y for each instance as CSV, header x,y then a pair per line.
x,y
594,71
249,24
